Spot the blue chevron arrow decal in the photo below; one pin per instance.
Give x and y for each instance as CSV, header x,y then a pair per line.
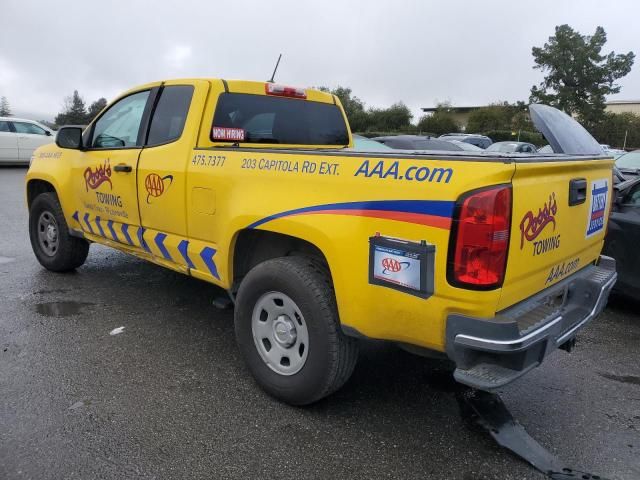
x,y
207,254
141,231
113,232
160,238
100,227
125,232
183,249
86,221
75,216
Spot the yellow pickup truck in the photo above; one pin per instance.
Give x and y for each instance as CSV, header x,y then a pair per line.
x,y
489,259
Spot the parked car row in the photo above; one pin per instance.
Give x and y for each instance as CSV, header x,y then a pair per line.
x,y
481,141
448,142
20,137
417,142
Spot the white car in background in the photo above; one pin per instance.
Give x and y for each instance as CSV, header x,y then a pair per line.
x,y
19,138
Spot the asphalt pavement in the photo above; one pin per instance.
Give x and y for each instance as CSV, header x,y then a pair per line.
x,y
124,369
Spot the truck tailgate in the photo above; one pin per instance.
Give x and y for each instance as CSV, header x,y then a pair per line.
x,y
560,211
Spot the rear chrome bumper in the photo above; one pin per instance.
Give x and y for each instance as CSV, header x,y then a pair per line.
x,y
491,353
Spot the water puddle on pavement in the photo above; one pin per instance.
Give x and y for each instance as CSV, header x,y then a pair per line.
x,y
60,309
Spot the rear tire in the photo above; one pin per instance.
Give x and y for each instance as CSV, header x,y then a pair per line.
x,y
54,248
288,330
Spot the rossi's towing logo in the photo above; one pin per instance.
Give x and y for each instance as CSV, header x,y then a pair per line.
x,y
599,194
532,225
94,177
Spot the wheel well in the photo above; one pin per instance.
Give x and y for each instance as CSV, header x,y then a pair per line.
x,y
256,246
35,188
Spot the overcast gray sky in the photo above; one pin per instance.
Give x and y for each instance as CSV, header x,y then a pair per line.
x,y
420,52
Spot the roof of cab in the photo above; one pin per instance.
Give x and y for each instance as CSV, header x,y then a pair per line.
x,y
258,88
237,86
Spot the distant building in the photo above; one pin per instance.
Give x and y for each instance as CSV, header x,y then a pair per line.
x,y
624,106
461,114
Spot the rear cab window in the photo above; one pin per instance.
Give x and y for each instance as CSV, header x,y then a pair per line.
x,y
276,120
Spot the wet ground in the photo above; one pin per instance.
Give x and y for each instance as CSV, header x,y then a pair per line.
x,y
126,370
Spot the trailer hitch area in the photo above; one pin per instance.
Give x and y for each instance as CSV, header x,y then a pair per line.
x,y
489,411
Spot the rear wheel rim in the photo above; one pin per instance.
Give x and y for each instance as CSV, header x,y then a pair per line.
x,y
48,237
280,333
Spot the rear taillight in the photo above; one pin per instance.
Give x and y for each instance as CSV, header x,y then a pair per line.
x,y
284,91
480,239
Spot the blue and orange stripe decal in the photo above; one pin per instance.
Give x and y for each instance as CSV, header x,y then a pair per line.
x,y
432,213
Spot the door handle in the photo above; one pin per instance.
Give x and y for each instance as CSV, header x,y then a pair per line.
x,y
122,168
577,191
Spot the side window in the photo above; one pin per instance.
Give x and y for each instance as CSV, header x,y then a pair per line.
x,y
4,127
170,114
120,125
23,127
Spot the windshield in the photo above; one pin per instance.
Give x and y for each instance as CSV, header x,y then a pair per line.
x,y
434,145
502,147
363,144
629,160
469,147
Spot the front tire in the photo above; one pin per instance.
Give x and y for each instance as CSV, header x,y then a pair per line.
x,y
288,330
54,248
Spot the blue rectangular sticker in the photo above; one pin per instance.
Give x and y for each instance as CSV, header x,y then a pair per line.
x,y
598,206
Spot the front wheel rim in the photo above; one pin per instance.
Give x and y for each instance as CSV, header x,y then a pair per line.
x,y
48,234
280,333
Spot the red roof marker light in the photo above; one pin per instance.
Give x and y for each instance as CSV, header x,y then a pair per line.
x,y
284,91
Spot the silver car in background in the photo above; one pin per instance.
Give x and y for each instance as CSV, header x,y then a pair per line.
x,y
20,137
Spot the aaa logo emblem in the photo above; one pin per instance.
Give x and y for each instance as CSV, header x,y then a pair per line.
x,y
156,186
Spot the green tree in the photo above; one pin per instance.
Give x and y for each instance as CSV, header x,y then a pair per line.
x,y
395,118
497,116
353,107
95,108
439,122
618,130
74,111
578,75
520,119
5,108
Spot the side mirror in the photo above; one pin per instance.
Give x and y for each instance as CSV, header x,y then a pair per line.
x,y
47,133
70,137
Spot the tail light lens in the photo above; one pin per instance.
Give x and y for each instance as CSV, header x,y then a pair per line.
x,y
480,239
